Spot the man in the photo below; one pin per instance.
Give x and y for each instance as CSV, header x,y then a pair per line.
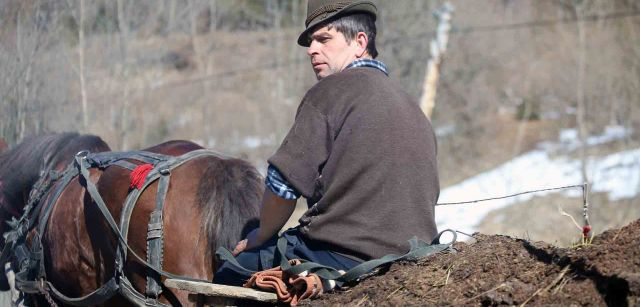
x,y
360,151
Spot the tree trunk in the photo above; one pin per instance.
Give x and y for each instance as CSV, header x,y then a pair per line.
x,y
172,17
19,99
213,20
83,89
438,48
123,27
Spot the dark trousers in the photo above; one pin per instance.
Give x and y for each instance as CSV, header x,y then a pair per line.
x,y
264,257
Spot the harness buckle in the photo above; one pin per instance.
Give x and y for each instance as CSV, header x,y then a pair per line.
x,y
82,154
41,285
151,301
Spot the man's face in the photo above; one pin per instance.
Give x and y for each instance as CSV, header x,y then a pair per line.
x,y
329,52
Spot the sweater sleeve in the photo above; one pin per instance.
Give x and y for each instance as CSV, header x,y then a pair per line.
x,y
304,150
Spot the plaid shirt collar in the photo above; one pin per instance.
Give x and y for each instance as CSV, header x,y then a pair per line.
x,y
369,63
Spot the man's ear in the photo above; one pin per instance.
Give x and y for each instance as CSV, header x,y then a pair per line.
x,y
362,40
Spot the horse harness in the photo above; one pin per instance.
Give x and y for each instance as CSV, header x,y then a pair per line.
x,y
31,275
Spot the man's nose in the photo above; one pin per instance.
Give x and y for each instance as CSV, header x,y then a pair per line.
x,y
313,48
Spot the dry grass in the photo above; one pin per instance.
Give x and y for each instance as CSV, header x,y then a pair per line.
x,y
550,226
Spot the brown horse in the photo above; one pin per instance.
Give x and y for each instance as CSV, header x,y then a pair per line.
x,y
211,201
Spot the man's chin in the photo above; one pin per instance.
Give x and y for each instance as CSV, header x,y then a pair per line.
x,y
322,74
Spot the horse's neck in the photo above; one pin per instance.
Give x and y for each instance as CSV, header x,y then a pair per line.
x,y
10,209
14,197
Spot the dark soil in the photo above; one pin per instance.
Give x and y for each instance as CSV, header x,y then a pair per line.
x,y
499,270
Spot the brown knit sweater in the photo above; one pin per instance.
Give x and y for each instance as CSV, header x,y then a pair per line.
x,y
364,155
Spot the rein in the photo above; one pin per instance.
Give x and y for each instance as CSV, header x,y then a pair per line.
x,y
31,277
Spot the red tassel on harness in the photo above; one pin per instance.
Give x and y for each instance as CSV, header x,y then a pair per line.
x,y
586,230
138,175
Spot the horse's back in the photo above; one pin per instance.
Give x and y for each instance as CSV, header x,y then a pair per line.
x,y
174,148
79,246
209,202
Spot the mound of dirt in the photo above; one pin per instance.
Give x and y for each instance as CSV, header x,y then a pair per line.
x,y
499,270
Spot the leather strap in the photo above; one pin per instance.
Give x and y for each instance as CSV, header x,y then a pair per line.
x,y
419,249
170,164
98,296
155,238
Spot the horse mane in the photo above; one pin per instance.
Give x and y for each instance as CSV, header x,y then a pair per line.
x,y
21,166
229,193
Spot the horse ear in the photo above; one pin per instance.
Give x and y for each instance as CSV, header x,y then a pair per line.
x,y
3,145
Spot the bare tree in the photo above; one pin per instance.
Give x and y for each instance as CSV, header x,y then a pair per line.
x,y
438,49
123,31
83,87
172,15
22,90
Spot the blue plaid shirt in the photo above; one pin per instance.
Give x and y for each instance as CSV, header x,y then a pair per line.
x,y
369,63
280,186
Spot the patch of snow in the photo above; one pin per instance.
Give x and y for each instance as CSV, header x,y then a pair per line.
x,y
569,139
618,174
611,133
568,136
252,142
445,130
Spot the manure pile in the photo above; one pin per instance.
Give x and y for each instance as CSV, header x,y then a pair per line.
x,y
499,270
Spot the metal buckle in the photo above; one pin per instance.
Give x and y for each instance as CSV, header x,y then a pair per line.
x,y
150,301
82,154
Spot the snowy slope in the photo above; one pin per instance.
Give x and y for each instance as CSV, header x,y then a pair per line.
x,y
618,174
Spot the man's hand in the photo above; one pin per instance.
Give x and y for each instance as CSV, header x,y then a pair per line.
x,y
250,242
240,247
274,213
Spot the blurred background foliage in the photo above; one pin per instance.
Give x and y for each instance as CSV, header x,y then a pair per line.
x,y
228,74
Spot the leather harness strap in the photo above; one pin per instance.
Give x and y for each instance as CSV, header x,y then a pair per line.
x,y
419,249
155,238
